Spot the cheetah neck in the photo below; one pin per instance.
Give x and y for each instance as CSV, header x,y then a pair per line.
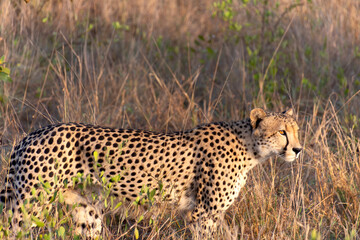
x,y
248,148
244,131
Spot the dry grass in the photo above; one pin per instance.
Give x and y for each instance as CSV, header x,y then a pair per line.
x,y
142,64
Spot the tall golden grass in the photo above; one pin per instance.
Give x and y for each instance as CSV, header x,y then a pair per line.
x,y
169,65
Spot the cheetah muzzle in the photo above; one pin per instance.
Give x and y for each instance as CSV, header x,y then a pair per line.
x,y
202,169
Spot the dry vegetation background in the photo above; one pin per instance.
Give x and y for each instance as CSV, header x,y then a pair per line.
x,y
167,65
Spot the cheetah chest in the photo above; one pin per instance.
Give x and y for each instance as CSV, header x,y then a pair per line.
x,y
241,181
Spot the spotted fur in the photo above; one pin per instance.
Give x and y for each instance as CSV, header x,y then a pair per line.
x,y
202,169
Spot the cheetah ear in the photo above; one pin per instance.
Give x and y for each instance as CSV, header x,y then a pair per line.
x,y
289,112
256,115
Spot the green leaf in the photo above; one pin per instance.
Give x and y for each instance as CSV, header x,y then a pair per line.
x,y
47,185
91,26
160,186
37,221
41,197
33,191
137,200
228,15
53,197
41,180
66,182
136,233
5,70
19,235
117,205
61,232
5,77
115,178
210,52
116,25
96,155
141,218
151,194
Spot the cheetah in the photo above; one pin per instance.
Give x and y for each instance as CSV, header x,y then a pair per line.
x,y
202,170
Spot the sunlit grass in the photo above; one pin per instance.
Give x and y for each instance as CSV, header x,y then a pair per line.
x,y
170,65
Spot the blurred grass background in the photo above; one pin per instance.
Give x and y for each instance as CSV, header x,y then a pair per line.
x,y
167,65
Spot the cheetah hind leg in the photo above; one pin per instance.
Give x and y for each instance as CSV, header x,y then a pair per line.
x,y
204,225
205,229
212,226
88,218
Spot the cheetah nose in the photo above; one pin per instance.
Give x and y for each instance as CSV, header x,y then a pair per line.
x,y
297,150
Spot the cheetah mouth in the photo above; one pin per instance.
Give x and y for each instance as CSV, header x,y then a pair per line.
x,y
287,158
282,153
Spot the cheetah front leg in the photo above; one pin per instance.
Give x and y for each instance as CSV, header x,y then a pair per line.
x,y
210,206
205,223
88,218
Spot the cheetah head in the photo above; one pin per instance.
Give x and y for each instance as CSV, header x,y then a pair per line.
x,y
275,134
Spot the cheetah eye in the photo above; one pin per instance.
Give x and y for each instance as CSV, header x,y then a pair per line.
x,y
282,132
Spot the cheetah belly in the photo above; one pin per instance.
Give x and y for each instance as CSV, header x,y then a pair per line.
x,y
239,184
